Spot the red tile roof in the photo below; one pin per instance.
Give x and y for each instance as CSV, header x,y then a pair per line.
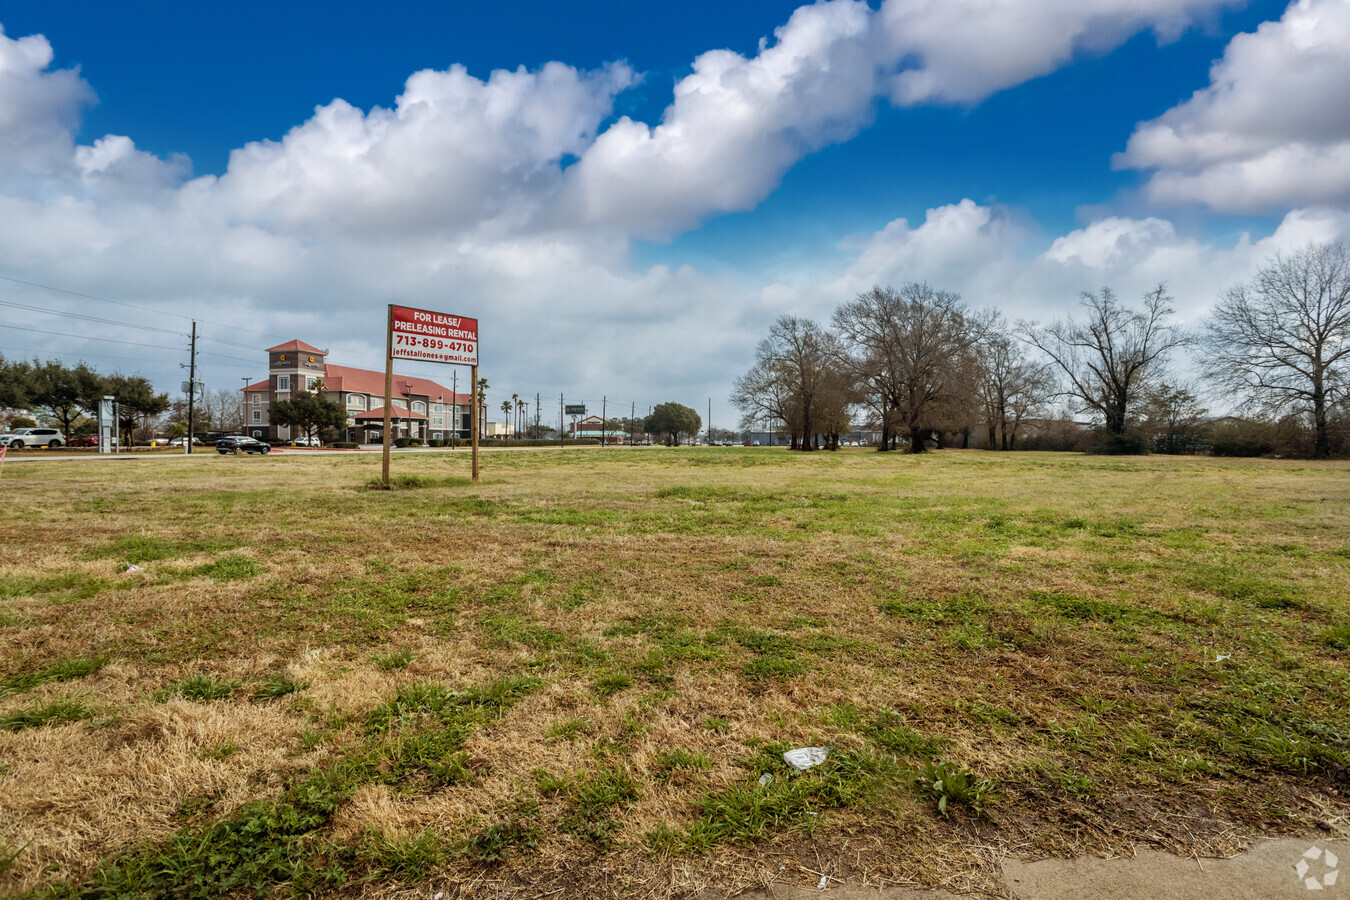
x,y
396,413
295,346
368,381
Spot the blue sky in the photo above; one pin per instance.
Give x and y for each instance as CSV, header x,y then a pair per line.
x,y
1017,152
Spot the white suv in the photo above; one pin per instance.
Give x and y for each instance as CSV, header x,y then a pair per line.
x,y
32,437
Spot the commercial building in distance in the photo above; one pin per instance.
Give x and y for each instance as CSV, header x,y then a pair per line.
x,y
421,408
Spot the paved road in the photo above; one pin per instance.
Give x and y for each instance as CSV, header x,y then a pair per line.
x,y
58,456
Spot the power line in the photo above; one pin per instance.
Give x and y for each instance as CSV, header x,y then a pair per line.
x,y
71,315
158,312
85,338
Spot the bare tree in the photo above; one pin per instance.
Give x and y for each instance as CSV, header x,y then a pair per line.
x,y
1173,419
1011,385
1283,341
904,345
1109,358
790,371
762,393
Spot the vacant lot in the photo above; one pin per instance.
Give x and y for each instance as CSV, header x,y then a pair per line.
x,y
572,676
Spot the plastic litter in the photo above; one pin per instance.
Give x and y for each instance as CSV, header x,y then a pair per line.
x,y
131,569
439,895
804,758
765,779
824,882
1222,656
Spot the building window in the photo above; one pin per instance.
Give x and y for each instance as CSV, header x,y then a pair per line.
x,y
438,421
309,382
437,408
356,400
257,415
419,406
283,382
257,399
400,404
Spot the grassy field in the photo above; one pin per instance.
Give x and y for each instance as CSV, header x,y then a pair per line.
x,y
573,675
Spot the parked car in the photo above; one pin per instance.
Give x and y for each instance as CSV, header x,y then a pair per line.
x,y
84,440
196,442
305,442
32,437
240,443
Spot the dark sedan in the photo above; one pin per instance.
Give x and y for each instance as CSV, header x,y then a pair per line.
x,y
238,443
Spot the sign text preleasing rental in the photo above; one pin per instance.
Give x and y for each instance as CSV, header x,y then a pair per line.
x,y
434,337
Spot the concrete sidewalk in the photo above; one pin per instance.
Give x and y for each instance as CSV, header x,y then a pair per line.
x,y
1279,869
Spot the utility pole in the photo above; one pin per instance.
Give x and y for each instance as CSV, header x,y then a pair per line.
x,y
473,418
192,386
709,421
632,425
243,405
561,444
536,415
454,406
604,411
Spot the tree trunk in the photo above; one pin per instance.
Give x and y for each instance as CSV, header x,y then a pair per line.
x,y
916,440
885,438
993,438
1321,441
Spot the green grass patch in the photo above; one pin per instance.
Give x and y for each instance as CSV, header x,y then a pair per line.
x,y
747,813
140,549
611,683
64,588
1076,606
202,688
63,670
1337,636
394,659
499,841
58,712
592,800
406,481
277,686
230,568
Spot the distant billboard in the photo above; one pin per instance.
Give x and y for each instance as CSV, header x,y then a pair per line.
x,y
576,409
433,336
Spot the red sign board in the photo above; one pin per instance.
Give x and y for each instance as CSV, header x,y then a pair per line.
x,y
433,336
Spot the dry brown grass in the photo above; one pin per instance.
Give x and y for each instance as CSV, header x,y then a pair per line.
x,y
1052,621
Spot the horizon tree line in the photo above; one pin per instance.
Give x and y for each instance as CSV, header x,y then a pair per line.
x,y
923,365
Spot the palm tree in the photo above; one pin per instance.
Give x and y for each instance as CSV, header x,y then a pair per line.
x,y
506,412
478,404
515,406
520,416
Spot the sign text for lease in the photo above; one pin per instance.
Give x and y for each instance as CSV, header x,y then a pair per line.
x,y
434,337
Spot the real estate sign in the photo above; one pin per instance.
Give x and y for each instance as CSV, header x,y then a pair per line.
x,y
430,336
433,336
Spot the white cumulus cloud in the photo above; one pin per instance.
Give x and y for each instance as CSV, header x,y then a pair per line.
x,y
40,110
961,51
1271,130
